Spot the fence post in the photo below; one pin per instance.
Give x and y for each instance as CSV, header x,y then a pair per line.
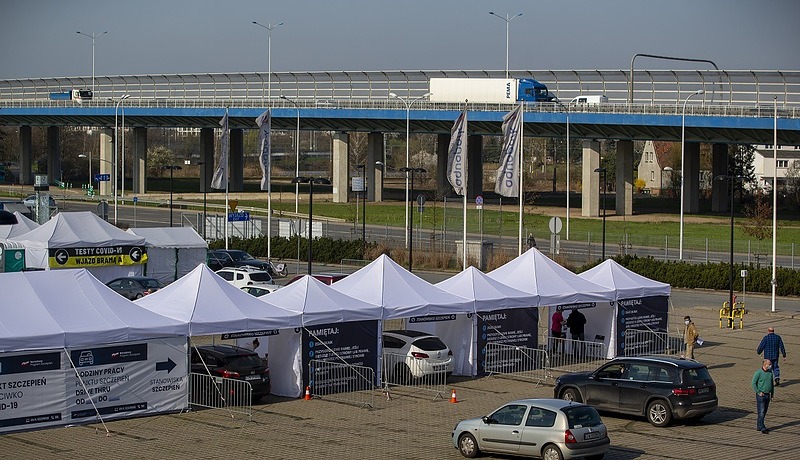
x,y
706,250
666,246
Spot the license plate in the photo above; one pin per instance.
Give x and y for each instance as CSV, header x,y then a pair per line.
x,y
252,377
703,390
591,435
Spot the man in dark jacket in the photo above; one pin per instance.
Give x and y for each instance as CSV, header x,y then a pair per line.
x,y
576,322
772,347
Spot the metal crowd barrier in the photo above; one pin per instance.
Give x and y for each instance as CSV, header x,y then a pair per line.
x,y
641,342
210,392
568,355
342,382
413,374
515,361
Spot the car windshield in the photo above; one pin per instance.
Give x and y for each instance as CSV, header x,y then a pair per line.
x,y
261,277
241,255
697,375
245,361
582,416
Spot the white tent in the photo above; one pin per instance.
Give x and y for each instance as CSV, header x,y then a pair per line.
x,y
23,226
81,235
626,284
211,305
171,251
486,292
535,273
71,308
401,293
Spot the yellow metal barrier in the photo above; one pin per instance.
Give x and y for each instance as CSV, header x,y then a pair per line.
x,y
731,314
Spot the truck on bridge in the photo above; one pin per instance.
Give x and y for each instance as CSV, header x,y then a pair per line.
x,y
492,90
77,95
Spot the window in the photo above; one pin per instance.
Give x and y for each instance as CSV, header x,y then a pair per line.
x,y
510,415
612,371
582,416
783,163
227,276
638,372
541,417
652,176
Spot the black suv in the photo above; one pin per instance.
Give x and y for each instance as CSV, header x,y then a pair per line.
x,y
219,258
659,387
233,363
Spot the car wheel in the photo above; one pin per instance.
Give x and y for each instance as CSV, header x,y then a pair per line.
x,y
658,413
551,452
571,394
138,295
468,446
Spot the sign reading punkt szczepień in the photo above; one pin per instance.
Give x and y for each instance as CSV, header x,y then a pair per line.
x,y
96,256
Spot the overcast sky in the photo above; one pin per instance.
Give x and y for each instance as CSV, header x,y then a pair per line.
x,y
38,37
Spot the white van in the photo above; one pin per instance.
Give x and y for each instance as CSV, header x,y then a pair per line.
x,y
589,100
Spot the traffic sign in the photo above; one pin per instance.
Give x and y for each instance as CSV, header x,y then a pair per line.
x,y
243,216
421,200
136,199
102,177
479,200
555,225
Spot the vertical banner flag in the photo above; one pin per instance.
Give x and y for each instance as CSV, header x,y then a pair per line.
x,y
220,179
265,147
508,172
457,155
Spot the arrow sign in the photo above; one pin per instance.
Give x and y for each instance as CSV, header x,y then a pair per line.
x,y
62,256
136,254
167,365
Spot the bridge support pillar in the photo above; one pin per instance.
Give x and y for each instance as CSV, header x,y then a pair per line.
x,y
691,194
53,154
341,166
590,195
719,167
107,161
624,173
442,185
139,160
25,155
374,174
474,166
207,157
237,160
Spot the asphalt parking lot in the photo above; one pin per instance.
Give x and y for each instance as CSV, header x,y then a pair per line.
x,y
418,426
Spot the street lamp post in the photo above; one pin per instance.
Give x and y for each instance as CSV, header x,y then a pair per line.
x,y
731,182
205,186
602,171
310,181
661,179
507,19
363,168
408,104
296,154
116,150
172,168
93,36
269,28
683,166
410,233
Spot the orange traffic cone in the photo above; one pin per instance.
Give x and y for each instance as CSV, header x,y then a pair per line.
x,y
453,398
308,394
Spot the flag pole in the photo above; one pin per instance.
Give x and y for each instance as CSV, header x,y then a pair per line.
x,y
464,242
521,156
227,181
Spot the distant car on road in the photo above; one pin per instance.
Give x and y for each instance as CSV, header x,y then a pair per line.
x,y
551,429
657,387
30,201
135,287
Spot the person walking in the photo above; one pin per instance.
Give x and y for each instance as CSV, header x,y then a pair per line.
x,y
689,336
762,385
576,322
772,347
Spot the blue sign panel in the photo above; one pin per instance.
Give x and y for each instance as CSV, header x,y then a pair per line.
x,y
243,216
102,177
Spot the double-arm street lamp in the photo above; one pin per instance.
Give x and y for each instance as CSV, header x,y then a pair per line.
x,y
93,36
269,28
410,232
296,154
507,19
408,102
683,166
310,181
731,182
602,171
116,150
172,168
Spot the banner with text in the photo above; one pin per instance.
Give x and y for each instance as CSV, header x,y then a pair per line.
x,y
101,256
517,326
645,313
353,342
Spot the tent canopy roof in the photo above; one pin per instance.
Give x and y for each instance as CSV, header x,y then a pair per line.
x,y
170,237
23,226
77,229
487,293
626,283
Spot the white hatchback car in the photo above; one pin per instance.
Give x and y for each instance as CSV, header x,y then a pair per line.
x,y
260,289
409,354
244,276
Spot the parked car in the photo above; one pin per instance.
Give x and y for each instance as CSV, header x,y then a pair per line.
x,y
551,429
244,276
327,278
258,290
240,258
231,362
135,287
217,260
413,354
659,388
30,201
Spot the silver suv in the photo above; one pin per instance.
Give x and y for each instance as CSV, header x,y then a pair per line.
x,y
245,276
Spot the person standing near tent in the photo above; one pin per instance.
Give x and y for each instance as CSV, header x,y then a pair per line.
x,y
689,336
556,328
576,322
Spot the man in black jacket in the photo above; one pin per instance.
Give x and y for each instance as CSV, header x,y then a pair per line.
x,y
576,322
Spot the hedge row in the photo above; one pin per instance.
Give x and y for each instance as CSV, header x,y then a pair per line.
x,y
711,276
325,250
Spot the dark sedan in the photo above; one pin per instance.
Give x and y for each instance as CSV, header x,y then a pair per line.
x,y
658,387
135,287
235,258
